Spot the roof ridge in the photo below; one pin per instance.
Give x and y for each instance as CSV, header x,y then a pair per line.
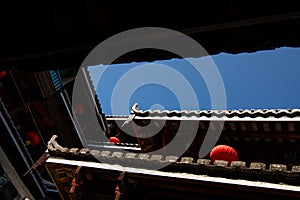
x,y
136,109
262,112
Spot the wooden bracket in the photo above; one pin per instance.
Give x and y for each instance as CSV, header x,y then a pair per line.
x,y
120,181
75,182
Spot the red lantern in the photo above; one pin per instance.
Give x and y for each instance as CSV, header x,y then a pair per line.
x,y
2,74
78,108
223,152
32,138
114,140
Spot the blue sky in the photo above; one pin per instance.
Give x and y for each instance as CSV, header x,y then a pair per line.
x,y
264,79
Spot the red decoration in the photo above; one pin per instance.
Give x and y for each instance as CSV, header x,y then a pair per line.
x,y
223,152
114,140
78,108
2,74
32,138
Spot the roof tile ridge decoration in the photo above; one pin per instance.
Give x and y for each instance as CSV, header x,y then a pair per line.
x,y
115,116
255,171
242,113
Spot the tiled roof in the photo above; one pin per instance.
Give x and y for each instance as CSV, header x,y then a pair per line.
x,y
252,113
255,171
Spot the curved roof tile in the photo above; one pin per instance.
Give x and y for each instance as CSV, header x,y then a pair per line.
x,y
252,113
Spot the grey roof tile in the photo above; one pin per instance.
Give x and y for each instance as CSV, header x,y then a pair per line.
x,y
252,113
